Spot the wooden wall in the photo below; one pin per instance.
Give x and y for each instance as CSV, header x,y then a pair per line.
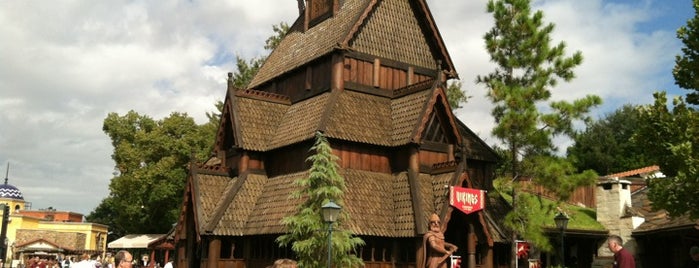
x,y
302,82
363,157
581,195
289,159
380,74
481,173
429,158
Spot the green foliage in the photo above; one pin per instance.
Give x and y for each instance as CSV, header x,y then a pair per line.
x,y
455,95
618,152
559,175
152,157
279,31
246,70
528,66
306,229
529,219
686,71
581,218
151,160
670,137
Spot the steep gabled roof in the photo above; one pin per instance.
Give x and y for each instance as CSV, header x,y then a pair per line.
x,y
368,26
263,125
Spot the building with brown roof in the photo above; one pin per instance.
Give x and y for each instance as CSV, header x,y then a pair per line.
x,y
654,238
47,233
370,75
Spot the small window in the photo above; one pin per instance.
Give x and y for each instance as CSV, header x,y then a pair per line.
x,y
607,186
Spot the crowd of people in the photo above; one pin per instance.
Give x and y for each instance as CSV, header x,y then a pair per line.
x,y
84,261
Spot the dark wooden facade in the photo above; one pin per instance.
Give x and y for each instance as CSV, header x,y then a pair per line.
x,y
370,75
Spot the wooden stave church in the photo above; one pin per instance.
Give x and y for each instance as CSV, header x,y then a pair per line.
x,y
384,110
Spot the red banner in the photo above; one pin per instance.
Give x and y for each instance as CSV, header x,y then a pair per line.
x,y
466,199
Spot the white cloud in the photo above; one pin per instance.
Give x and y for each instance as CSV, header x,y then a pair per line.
x,y
65,65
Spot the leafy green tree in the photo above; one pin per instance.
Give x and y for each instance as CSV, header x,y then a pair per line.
x,y
671,137
152,157
528,66
618,152
455,95
323,184
151,161
686,71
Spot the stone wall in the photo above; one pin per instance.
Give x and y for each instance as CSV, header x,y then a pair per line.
x,y
613,197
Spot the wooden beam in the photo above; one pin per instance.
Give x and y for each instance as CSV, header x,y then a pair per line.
x,y
309,77
338,65
214,250
415,189
377,72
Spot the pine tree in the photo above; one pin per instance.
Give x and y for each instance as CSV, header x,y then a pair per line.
x,y
528,66
306,229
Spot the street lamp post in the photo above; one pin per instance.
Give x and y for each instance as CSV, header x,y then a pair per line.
x,y
562,223
330,212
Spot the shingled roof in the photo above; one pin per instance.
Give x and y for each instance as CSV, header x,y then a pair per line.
x,y
356,27
234,206
263,124
657,220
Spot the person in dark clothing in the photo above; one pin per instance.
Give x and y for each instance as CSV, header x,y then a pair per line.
x,y
694,258
622,257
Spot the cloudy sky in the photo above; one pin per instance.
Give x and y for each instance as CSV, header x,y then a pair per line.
x,y
64,65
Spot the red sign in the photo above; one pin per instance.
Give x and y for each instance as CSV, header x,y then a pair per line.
x,y
522,249
466,199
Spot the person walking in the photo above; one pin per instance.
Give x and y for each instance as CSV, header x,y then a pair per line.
x,y
123,259
693,258
622,257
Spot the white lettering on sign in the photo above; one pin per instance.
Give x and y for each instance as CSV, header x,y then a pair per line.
x,y
468,198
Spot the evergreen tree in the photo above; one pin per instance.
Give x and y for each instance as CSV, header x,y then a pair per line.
x,y
528,66
322,185
686,71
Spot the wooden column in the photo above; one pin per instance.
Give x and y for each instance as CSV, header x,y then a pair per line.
x,y
214,251
377,73
488,263
415,189
182,258
309,78
337,81
243,162
471,248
